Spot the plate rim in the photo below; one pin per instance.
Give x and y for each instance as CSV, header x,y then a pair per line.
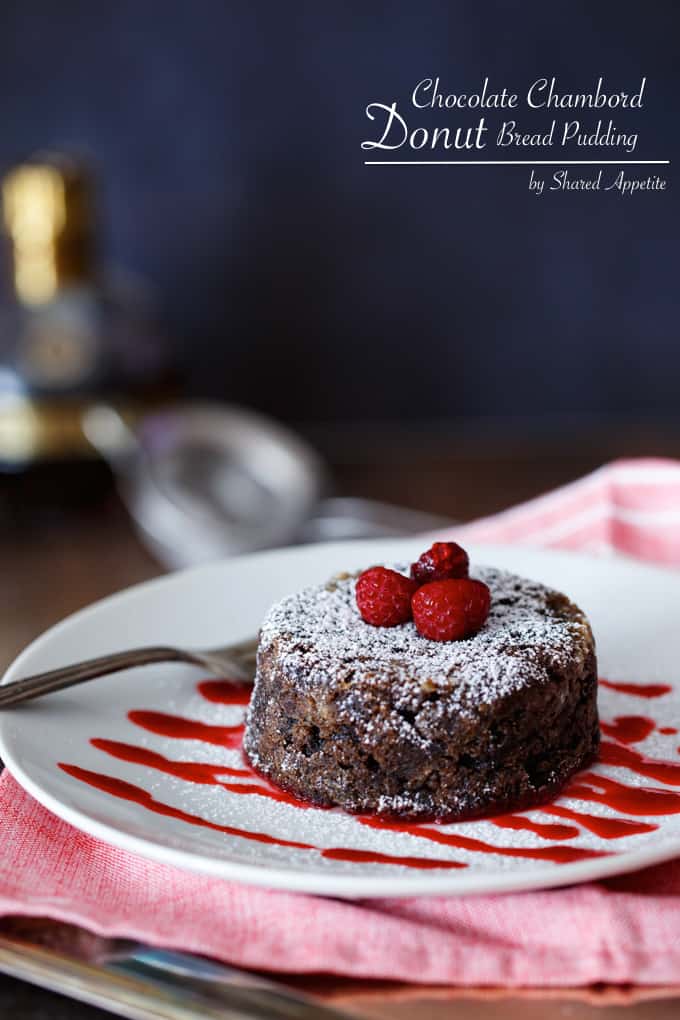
x,y
316,882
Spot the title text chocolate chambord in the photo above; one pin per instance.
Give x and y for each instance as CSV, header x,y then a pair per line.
x,y
544,121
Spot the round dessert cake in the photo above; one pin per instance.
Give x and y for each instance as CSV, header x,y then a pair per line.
x,y
382,720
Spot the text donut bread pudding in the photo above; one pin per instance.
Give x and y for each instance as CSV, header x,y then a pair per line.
x,y
382,719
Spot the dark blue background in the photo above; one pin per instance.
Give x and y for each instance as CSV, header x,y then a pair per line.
x,y
296,278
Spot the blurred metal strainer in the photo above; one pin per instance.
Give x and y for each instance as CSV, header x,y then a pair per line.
x,y
203,481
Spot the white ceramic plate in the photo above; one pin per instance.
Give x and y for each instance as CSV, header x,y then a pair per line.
x,y
633,609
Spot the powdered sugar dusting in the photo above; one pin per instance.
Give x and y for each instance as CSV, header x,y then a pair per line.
x,y
320,635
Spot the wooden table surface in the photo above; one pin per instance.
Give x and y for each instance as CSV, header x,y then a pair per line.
x,y
57,562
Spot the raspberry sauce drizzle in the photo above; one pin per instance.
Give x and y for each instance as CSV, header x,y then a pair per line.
x,y
557,854
198,772
127,791
628,729
225,692
652,768
606,828
587,786
191,771
205,773
187,729
544,830
639,690
630,800
372,857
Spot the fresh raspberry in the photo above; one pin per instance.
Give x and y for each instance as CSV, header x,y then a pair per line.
x,y
384,597
450,610
442,561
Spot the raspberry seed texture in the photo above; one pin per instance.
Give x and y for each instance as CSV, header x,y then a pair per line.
x,y
451,610
384,597
442,561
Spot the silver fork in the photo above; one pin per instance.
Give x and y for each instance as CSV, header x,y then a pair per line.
x,y
235,663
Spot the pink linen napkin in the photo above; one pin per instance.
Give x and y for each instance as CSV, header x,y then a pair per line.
x,y
625,929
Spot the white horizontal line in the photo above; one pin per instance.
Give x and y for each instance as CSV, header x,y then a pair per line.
x,y
516,162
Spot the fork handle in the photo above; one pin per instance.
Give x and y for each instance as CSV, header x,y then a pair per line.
x,y
58,679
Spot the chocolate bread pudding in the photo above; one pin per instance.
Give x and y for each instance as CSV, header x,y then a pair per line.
x,y
383,720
